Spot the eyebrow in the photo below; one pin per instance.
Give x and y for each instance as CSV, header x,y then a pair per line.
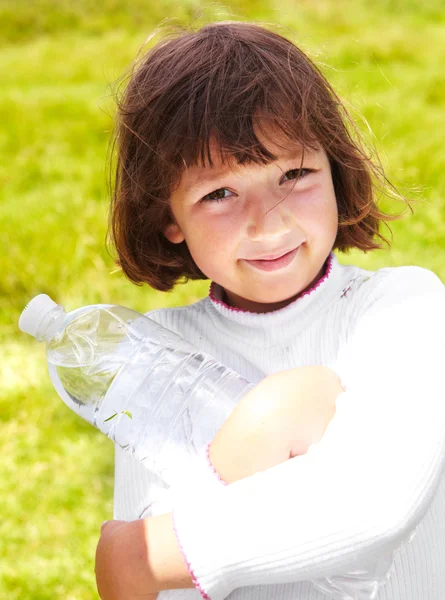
x,y
198,182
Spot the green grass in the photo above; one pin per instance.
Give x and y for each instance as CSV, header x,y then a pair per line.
x,y
57,60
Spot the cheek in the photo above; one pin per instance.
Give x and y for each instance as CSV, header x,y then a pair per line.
x,y
208,242
318,204
217,230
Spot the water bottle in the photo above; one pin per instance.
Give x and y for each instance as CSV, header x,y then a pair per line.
x,y
149,390
158,397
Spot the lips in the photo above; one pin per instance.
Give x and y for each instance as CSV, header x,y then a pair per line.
x,y
273,256
274,265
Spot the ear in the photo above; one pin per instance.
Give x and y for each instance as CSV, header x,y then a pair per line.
x,y
174,234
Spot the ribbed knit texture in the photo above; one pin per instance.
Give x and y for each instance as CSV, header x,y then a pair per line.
x,y
355,498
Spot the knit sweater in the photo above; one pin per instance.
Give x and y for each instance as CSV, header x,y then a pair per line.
x,y
370,493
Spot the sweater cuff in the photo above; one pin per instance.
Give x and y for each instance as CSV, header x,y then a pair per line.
x,y
196,583
211,467
204,477
212,585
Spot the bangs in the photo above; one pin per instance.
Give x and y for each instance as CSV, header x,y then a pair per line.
x,y
227,142
245,92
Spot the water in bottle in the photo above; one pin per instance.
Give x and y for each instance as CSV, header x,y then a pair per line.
x,y
149,390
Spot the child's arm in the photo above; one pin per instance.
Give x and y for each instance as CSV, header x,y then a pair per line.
x,y
361,492
279,418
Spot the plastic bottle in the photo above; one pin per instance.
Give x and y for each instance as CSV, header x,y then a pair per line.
x,y
145,387
150,391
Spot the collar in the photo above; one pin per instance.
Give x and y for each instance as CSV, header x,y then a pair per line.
x,y
273,328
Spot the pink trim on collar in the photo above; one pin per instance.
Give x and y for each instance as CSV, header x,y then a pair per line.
x,y
306,293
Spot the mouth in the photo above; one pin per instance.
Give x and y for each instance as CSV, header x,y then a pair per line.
x,y
274,264
273,256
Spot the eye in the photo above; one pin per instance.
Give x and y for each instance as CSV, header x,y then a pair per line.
x,y
219,194
297,173
216,195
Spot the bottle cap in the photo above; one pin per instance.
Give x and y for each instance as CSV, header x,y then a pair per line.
x,y
34,313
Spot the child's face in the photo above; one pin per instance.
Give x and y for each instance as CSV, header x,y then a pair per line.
x,y
249,223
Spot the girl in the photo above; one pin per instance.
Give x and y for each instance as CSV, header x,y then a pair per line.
x,y
238,163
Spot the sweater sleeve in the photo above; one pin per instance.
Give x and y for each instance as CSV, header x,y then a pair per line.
x,y
361,491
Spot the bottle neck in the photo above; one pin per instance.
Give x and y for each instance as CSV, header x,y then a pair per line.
x,y
49,324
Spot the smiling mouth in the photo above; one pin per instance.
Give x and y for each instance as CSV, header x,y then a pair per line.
x,y
277,263
274,256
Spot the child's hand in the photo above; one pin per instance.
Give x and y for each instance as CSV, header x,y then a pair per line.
x,y
112,584
277,420
305,400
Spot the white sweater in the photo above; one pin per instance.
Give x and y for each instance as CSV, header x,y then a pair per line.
x,y
354,498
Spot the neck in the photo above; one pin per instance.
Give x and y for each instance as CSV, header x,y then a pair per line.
x,y
261,308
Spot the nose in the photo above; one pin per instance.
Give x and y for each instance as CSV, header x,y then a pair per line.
x,y
269,217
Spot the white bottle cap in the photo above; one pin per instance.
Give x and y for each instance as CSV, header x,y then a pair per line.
x,y
34,313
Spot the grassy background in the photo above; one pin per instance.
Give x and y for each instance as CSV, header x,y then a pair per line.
x,y
57,60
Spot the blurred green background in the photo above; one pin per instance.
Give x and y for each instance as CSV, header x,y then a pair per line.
x,y
57,60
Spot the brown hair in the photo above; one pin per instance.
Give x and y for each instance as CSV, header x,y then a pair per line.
x,y
214,84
